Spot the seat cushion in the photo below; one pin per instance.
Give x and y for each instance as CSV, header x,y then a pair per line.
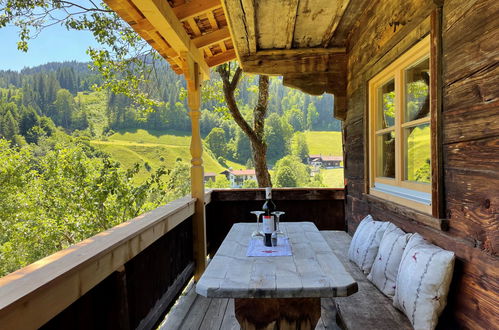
x,y
423,280
386,264
365,243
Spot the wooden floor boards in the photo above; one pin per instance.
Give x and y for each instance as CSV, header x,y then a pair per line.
x,y
193,312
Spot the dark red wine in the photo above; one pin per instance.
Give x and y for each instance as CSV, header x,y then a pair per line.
x,y
268,217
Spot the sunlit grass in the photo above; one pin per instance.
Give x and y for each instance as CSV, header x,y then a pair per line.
x,y
333,178
418,151
156,137
141,146
324,143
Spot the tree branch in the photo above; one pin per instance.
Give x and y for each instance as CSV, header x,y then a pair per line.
x,y
229,88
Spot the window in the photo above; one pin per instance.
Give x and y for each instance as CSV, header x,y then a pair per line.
x,y
400,130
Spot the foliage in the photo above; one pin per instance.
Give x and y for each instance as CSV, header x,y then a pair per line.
x,y
291,172
286,177
51,201
299,146
250,184
179,180
122,60
216,142
221,181
278,135
423,174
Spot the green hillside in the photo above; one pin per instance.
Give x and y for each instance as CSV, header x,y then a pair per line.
x,y
162,149
324,143
141,146
327,143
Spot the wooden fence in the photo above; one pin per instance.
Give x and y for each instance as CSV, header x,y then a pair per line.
x,y
125,277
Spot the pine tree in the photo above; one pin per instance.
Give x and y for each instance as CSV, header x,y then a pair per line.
x,y
29,119
9,126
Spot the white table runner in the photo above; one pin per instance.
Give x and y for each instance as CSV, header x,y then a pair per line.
x,y
256,248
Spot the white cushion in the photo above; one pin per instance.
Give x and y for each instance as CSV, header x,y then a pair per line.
x,y
423,281
365,243
386,264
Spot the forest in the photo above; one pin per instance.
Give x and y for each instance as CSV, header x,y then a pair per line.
x,y
58,187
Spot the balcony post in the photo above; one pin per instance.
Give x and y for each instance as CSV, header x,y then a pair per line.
x,y
193,77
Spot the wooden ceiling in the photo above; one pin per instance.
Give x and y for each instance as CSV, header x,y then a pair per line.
x,y
283,37
179,27
276,37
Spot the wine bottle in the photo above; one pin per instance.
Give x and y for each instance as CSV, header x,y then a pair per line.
x,y
268,218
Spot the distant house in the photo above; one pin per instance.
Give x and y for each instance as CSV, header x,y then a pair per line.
x,y
209,176
317,161
331,161
237,177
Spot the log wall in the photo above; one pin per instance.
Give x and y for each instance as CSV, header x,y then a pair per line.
x,y
469,133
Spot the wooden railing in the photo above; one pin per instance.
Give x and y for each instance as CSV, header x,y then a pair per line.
x,y
322,206
125,277
129,276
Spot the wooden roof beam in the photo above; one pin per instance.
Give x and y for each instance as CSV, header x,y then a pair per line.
x,y
162,17
283,62
195,8
212,38
221,58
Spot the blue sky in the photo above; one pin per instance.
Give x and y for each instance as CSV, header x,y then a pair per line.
x,y
53,44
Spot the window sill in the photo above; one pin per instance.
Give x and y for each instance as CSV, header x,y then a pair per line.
x,y
406,211
404,193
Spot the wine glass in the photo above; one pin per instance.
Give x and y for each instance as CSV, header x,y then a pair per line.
x,y
277,214
257,232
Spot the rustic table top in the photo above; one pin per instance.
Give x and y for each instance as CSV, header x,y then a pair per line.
x,y
312,271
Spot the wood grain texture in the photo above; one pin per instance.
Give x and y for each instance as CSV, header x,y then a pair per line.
x,y
275,23
312,271
293,63
284,314
138,294
471,123
471,39
316,21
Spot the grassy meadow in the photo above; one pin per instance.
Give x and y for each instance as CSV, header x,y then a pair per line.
x,y
141,146
324,143
163,148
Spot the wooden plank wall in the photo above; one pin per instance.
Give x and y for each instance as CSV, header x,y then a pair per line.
x,y
324,207
137,295
470,129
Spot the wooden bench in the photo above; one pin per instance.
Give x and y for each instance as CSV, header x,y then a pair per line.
x,y
368,308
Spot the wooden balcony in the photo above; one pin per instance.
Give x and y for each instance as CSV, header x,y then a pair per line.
x,y
131,275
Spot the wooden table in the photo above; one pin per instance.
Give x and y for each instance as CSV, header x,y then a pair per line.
x,y
276,292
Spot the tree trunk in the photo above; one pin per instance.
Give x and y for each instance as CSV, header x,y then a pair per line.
x,y
255,133
259,151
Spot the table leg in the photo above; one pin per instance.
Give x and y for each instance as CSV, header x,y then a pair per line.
x,y
272,314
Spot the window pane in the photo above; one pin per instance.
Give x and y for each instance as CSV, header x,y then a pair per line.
x,y
386,155
418,153
386,106
417,91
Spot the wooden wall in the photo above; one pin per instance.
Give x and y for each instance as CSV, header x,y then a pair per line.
x,y
324,207
469,132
